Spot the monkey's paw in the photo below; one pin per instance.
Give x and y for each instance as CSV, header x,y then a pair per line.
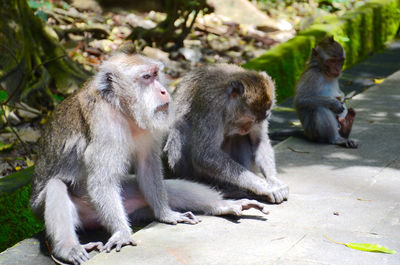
x,y
173,217
277,193
76,254
337,107
236,207
119,239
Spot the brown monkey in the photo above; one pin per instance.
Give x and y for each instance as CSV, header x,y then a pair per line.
x,y
115,122
221,133
319,102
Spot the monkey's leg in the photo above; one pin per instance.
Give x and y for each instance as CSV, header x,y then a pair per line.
x,y
327,127
187,195
346,123
61,219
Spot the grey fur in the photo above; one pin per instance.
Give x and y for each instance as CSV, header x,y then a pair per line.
x,y
205,145
317,105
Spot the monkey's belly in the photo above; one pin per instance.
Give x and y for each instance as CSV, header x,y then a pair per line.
x,y
89,217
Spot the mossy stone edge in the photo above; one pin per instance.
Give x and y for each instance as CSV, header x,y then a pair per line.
x,y
361,32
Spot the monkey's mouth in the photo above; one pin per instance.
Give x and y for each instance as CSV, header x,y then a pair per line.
x,y
244,128
162,108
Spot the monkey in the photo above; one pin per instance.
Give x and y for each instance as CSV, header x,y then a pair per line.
x,y
220,136
319,102
114,124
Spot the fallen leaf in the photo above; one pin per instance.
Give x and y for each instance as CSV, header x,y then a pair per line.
x,y
295,123
363,200
379,81
4,147
284,109
365,247
29,162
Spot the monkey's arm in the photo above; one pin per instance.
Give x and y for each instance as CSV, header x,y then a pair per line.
x,y
149,175
103,188
208,157
315,101
264,157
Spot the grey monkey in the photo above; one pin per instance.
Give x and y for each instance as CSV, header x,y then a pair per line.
x,y
319,102
221,131
115,122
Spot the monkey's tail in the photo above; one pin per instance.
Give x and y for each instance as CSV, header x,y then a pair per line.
x,y
184,195
283,134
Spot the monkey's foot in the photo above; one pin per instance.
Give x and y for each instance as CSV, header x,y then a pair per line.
x,y
346,143
277,193
76,255
173,218
119,239
236,207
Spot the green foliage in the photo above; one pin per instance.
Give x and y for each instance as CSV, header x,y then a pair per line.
x,y
3,96
39,4
16,219
33,64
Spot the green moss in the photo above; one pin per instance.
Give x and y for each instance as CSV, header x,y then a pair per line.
x,y
352,25
16,219
367,34
284,63
360,32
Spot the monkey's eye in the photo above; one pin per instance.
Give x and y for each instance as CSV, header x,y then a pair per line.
x,y
155,74
146,76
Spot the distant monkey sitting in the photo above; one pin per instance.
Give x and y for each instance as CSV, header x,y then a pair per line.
x,y
221,133
114,123
319,102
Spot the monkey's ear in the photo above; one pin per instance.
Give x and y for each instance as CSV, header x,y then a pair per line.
x,y
331,39
235,89
108,77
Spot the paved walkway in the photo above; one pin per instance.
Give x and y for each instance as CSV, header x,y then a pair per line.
x,y
349,195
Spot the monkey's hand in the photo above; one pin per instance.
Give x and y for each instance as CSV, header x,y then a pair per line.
x,y
119,239
278,192
172,217
272,188
336,106
76,254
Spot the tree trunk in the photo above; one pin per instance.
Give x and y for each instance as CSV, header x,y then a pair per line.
x,y
33,66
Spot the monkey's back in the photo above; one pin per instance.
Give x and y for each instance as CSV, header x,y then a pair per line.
x,y
61,143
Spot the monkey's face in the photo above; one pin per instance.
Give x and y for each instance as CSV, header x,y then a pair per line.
x,y
137,90
332,67
254,96
330,55
153,105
